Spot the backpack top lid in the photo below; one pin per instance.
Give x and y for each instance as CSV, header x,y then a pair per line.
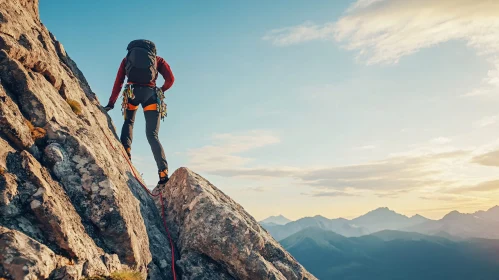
x,y
146,44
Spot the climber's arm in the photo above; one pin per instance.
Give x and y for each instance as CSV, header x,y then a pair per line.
x,y
166,72
118,84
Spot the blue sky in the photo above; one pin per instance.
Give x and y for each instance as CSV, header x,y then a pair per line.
x,y
305,108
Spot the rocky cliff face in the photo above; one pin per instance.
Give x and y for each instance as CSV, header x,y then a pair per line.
x,y
70,205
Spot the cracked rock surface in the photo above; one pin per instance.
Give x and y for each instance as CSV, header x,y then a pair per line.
x,y
217,237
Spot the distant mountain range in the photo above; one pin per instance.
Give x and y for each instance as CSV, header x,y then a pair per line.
x,y
276,220
455,225
384,218
393,255
481,224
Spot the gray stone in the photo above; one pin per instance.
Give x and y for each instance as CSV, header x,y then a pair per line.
x,y
25,258
68,272
53,154
216,234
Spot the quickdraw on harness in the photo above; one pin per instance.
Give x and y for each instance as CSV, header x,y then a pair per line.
x,y
127,94
161,103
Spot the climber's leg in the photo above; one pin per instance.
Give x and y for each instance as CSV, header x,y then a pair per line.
x,y
152,117
127,129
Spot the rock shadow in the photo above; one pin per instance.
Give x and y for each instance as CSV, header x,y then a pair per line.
x,y
159,244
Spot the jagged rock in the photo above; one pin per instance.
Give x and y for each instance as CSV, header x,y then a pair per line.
x,y
12,123
25,258
77,197
210,228
53,154
70,205
68,272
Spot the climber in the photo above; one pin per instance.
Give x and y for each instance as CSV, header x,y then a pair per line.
x,y
141,66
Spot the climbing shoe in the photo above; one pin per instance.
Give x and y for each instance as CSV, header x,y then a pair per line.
x,y
129,153
163,177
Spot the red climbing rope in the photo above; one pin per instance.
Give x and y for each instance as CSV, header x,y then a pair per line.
x,y
153,195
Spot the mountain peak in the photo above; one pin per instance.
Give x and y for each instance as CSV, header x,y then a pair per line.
x,y
320,217
280,216
382,211
276,220
383,218
418,217
453,215
490,215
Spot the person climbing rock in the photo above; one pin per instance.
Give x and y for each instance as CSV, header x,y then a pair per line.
x,y
141,66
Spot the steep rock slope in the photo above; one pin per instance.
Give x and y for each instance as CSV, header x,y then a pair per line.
x,y
61,185
69,203
213,231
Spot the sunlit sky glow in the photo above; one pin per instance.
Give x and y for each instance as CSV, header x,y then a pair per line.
x,y
303,108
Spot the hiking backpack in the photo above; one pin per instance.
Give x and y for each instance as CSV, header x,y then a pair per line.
x,y
140,64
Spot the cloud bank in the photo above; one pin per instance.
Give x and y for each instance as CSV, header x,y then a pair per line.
x,y
383,31
434,175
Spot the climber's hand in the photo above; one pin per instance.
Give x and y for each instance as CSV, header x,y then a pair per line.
x,y
108,108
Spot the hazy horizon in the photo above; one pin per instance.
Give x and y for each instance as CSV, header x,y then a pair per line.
x,y
355,216
331,109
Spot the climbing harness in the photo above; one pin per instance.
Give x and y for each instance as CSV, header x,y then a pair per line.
x,y
127,94
163,215
161,106
161,103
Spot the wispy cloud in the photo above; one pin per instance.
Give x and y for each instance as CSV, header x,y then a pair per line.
x,y
486,186
307,31
440,140
392,174
487,159
226,149
486,121
469,204
256,189
331,194
363,4
387,30
391,194
444,197
427,175
383,31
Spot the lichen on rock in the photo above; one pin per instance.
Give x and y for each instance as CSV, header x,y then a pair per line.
x,y
216,233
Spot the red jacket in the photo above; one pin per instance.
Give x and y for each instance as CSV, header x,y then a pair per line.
x,y
163,69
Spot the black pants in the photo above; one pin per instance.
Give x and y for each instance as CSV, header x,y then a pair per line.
x,y
144,96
